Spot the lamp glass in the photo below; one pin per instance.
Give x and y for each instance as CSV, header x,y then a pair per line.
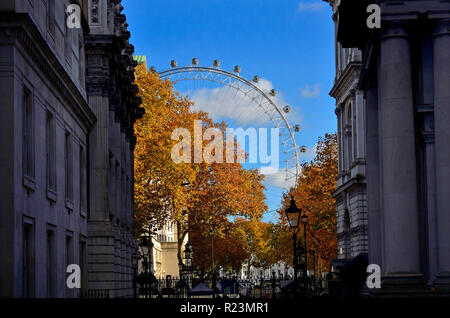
x,y
304,218
293,214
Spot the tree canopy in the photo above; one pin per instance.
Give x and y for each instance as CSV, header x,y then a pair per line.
x,y
198,197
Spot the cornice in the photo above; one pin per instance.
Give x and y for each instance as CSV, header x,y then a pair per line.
x,y
350,73
353,182
352,231
110,74
21,27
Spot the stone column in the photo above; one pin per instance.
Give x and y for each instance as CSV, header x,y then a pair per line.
x,y
401,254
441,48
373,176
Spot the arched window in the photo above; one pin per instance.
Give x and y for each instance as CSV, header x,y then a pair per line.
x,y
348,133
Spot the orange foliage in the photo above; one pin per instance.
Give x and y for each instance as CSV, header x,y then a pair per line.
x,y
196,197
314,195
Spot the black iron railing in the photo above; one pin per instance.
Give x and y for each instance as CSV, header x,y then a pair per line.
x,y
94,293
227,288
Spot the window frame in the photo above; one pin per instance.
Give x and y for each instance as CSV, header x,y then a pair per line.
x,y
83,181
68,169
50,154
28,138
51,260
28,258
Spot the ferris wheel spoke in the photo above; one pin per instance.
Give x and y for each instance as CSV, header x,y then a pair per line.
x,y
265,103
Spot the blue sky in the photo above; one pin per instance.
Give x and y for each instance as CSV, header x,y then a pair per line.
x,y
287,42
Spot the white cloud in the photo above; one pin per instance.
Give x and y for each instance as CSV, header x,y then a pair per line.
x,y
315,6
309,155
310,91
280,178
223,103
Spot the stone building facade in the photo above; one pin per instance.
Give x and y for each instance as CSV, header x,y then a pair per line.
x,y
351,195
68,105
162,256
405,79
280,270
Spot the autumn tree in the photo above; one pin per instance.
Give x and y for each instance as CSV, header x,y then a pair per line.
x,y
159,182
195,196
313,193
229,249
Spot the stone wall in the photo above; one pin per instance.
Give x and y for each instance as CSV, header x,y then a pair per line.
x,y
31,64
83,78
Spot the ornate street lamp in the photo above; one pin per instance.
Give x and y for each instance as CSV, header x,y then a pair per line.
x,y
134,262
305,221
188,256
188,262
144,244
293,216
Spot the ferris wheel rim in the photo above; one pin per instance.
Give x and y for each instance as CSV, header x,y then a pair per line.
x,y
236,76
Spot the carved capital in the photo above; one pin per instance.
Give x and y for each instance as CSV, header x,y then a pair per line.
x,y
394,29
442,27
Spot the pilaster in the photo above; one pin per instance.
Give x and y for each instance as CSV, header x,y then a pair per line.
x,y
441,48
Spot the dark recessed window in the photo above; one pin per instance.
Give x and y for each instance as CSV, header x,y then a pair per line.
x,y
50,152
28,135
68,159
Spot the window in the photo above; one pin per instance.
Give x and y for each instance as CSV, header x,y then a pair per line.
x,y
69,256
82,260
51,17
348,132
51,263
81,63
50,152
68,40
69,167
28,135
83,187
27,261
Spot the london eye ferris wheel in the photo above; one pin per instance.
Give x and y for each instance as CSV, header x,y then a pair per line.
x,y
229,97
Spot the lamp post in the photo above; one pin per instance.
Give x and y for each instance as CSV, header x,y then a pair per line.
x,y
188,261
181,269
146,260
293,216
314,261
144,244
212,265
314,268
134,262
304,220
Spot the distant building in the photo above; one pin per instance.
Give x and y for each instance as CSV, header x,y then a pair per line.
x,y
166,246
68,107
405,80
280,270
